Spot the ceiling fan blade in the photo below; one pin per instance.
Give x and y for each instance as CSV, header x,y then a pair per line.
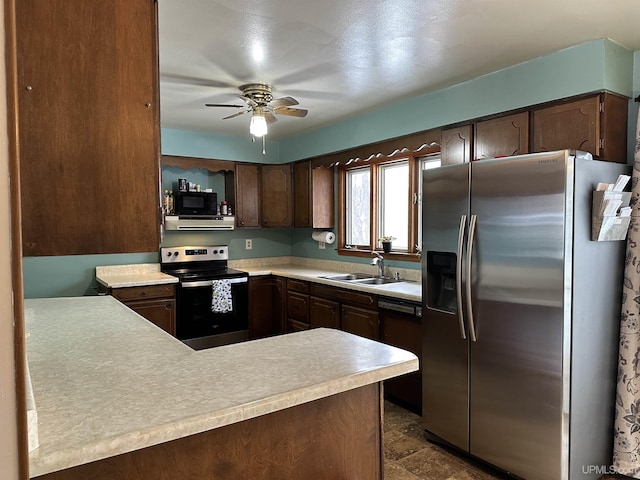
x,y
236,114
223,105
193,81
283,102
270,117
293,112
247,100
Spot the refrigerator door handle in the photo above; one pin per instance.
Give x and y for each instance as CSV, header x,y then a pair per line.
x,y
463,222
472,232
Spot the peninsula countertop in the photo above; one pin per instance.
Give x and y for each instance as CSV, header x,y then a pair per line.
x,y
106,381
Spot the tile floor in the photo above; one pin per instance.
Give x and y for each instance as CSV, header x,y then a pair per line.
x,y
408,456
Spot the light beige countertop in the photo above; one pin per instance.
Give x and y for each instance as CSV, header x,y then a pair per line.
x,y
119,276
408,290
106,381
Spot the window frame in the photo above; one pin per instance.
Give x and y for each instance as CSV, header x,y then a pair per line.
x,y
414,162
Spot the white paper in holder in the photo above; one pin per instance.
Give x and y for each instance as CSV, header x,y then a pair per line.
x,y
321,236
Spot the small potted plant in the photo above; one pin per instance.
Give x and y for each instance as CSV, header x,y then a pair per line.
x,y
386,243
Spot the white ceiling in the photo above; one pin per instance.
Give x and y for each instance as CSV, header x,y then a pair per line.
x,y
341,58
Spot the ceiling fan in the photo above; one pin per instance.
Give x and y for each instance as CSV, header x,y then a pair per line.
x,y
258,99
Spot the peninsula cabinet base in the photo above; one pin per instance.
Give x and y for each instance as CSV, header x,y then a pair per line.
x,y
337,437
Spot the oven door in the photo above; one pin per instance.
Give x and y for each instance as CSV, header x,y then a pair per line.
x,y
200,327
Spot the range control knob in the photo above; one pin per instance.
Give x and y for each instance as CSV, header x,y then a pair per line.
x,y
168,254
221,252
215,252
175,254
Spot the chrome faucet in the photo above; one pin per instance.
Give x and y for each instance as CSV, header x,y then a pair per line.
x,y
379,261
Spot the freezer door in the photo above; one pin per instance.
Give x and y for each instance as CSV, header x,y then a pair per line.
x,y
518,290
445,391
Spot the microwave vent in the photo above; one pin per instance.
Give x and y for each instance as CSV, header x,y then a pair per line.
x,y
202,223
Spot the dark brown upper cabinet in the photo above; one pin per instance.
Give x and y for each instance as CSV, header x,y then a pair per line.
x,y
312,196
88,121
276,195
502,136
595,124
455,145
247,195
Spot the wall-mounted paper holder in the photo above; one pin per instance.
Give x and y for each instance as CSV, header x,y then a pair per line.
x,y
606,222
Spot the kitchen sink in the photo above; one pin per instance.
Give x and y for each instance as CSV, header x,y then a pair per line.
x,y
377,281
362,279
348,277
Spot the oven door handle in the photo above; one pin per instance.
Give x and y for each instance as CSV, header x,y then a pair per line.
x,y
208,283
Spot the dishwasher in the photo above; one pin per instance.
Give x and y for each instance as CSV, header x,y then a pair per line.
x,y
401,326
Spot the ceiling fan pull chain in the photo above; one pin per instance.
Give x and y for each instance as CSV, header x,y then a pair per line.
x,y
263,147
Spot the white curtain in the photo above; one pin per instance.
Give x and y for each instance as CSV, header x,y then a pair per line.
x,y
626,449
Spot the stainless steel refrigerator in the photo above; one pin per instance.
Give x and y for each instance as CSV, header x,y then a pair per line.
x,y
520,317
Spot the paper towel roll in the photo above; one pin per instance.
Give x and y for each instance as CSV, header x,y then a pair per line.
x,y
321,236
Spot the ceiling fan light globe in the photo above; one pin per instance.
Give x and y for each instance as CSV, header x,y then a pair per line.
x,y
258,125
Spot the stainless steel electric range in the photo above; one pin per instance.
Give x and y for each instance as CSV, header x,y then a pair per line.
x,y
211,298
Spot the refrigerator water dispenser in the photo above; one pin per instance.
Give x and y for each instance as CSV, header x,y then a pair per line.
x,y
441,281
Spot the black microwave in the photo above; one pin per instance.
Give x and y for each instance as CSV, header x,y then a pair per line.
x,y
195,203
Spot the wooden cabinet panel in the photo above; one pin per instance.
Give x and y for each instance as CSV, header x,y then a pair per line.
x,y
404,331
279,304
614,128
456,145
267,306
295,326
159,312
574,125
261,318
247,195
360,321
156,303
298,307
144,292
350,297
276,195
313,196
88,116
302,203
595,124
297,285
324,313
503,136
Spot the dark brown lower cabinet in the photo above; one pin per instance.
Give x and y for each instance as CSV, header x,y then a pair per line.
x,y
156,303
296,326
266,306
360,321
159,312
324,313
261,320
404,331
278,309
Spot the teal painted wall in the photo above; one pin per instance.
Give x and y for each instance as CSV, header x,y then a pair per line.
x,y
205,145
267,242
302,245
592,66
572,71
70,276
618,68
